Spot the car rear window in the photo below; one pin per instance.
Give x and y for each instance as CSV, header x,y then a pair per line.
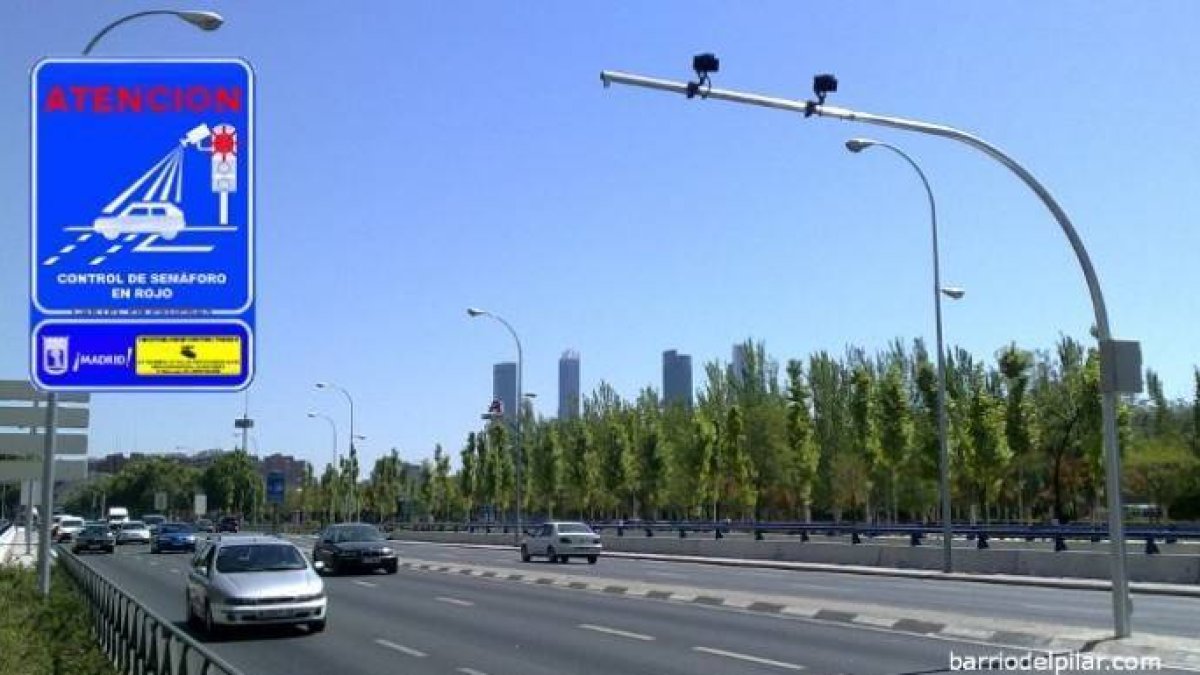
x,y
574,528
259,558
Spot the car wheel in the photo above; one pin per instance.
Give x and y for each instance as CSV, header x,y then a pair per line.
x,y
592,559
187,609
391,567
524,553
551,556
316,626
563,559
333,567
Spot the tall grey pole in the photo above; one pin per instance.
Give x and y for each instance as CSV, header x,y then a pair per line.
x,y
1116,527
47,493
857,145
520,399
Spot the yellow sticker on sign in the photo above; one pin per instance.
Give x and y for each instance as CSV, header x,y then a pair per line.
x,y
176,355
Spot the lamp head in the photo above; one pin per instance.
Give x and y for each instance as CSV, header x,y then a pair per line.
x,y
474,312
204,20
859,144
954,292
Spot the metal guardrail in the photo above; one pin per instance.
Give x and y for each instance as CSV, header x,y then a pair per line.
x,y
136,639
980,534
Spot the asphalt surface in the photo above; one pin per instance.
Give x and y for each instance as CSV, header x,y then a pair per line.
x,y
422,622
1163,615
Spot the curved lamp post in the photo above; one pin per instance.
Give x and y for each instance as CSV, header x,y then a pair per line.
x,y
857,145
202,19
1120,361
474,312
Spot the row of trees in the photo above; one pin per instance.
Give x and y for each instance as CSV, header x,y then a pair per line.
x,y
851,436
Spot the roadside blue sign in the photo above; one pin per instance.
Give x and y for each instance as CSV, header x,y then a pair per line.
x,y
275,487
142,228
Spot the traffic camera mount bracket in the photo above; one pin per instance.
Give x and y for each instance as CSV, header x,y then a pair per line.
x,y
703,64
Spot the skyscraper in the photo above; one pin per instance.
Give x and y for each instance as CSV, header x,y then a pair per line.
x,y
504,387
568,385
676,378
737,370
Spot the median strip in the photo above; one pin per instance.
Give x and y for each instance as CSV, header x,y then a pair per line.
x,y
401,648
749,657
615,631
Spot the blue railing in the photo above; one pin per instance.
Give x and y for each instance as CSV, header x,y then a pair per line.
x,y
856,532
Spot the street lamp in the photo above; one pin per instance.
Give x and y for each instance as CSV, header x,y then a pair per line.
x,y
953,292
474,312
204,20
1120,360
353,454
857,145
333,486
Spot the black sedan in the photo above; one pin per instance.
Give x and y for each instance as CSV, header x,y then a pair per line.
x,y
352,546
173,537
95,538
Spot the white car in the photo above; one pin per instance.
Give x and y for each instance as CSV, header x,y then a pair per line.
x,y
133,532
68,528
162,218
248,580
561,541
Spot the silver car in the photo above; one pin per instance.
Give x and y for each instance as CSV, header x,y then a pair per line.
x,y
133,532
244,580
560,541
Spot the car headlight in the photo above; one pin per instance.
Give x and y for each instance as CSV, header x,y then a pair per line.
x,y
387,550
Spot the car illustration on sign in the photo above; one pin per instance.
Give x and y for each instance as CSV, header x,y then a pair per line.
x,y
163,218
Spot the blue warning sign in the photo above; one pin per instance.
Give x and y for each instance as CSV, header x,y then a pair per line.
x,y
142,223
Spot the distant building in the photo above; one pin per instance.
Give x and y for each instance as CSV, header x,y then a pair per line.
x,y
504,387
737,369
568,385
292,469
676,378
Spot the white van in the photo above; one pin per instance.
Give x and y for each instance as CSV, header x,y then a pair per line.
x,y
118,514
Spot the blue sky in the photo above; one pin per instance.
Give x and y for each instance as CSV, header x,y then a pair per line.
x,y
418,158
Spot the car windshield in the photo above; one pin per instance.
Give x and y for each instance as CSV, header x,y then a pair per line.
x,y
133,525
98,530
174,528
574,528
356,533
259,558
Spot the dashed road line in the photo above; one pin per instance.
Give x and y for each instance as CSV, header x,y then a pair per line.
x,y
130,237
366,584
749,657
470,671
455,601
97,260
615,631
114,248
401,648
50,261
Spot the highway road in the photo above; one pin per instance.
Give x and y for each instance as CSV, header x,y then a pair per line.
x,y
427,622
1165,615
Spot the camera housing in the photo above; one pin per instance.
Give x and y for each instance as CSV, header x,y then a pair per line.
x,y
706,63
824,84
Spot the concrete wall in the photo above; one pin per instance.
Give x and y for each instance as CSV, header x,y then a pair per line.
x,y
1087,564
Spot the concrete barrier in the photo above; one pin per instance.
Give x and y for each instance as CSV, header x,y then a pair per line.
x,y
1172,568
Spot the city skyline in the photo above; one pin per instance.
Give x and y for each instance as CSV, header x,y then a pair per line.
x,y
568,385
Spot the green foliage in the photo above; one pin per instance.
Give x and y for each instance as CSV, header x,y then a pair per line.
x,y
46,636
232,483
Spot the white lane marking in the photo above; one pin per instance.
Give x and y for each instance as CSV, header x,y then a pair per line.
x,y
113,249
174,570
97,260
614,631
130,237
84,237
50,261
455,601
471,671
401,648
748,657
67,249
154,563
367,584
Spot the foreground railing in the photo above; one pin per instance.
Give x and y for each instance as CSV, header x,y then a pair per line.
x,y
136,639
